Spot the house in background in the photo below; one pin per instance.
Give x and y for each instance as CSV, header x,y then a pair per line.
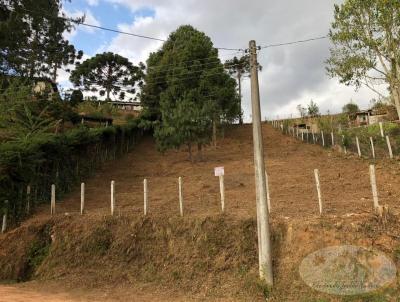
x,y
374,116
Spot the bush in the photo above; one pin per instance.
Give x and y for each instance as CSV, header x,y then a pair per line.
x,y
63,160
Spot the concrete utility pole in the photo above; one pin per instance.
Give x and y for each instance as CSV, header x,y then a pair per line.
x,y
264,244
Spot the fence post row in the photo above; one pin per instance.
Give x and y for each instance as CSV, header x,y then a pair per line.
x,y
82,198
316,174
4,225
180,196
381,128
372,147
373,186
222,191
112,197
358,146
268,195
53,200
145,196
389,147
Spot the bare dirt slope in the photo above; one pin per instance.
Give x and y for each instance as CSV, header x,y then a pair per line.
x,y
290,164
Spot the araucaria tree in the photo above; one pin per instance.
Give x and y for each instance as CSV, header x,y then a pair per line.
x,y
239,67
31,38
187,91
366,38
109,73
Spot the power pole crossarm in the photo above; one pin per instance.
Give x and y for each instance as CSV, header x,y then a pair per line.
x,y
265,259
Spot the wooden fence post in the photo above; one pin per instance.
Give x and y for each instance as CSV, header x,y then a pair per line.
x,y
82,198
53,200
333,139
4,225
268,195
302,136
28,199
222,191
316,174
381,128
313,136
358,146
180,196
112,197
145,196
323,138
372,147
373,186
389,147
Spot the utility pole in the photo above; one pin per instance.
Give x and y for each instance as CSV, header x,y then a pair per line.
x,y
264,244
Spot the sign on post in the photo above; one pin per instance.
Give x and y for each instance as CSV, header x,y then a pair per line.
x,y
219,171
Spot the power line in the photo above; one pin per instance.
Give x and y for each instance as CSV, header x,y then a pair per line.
x,y
112,29
294,42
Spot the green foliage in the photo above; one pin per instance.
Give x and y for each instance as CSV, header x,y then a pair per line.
x,y
60,159
108,73
366,35
350,108
76,97
98,109
312,109
187,89
31,38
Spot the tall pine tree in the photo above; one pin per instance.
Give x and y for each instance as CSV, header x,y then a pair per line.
x,y
31,38
187,91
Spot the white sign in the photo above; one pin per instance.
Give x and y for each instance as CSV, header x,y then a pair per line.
x,y
219,171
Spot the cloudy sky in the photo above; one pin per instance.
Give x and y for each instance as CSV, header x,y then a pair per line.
x,y
292,75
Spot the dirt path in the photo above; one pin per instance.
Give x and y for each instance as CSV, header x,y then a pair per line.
x,y
344,181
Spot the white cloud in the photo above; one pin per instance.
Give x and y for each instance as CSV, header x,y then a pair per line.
x,y
89,19
93,2
292,74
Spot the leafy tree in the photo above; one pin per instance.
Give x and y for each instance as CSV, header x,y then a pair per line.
x,y
188,91
108,73
312,109
239,67
366,51
350,108
31,38
76,97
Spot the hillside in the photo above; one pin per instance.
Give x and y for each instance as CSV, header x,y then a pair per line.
x,y
205,255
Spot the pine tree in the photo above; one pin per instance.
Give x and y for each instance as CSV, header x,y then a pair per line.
x,y
187,90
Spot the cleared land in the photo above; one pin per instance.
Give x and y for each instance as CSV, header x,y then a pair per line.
x,y
345,181
205,255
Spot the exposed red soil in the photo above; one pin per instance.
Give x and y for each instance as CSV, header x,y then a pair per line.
x,y
345,180
290,164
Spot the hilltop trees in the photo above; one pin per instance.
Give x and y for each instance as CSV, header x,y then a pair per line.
x,y
187,91
350,108
31,38
239,67
366,51
312,109
108,73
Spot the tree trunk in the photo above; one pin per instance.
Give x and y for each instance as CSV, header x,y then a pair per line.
x,y
396,99
55,68
214,134
240,97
